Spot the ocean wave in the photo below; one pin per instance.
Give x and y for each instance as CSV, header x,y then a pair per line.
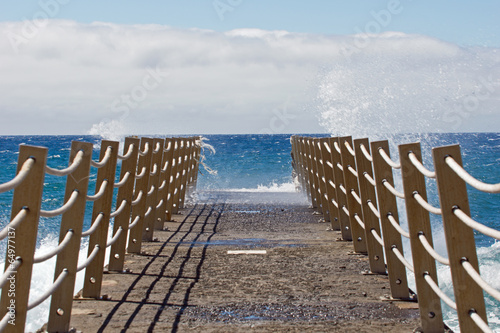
x,y
274,187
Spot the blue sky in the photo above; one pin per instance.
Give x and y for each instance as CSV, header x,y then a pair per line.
x,y
122,67
458,21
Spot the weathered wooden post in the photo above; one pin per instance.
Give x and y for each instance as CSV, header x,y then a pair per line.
x,y
459,238
21,237
101,215
172,178
154,183
320,163
326,156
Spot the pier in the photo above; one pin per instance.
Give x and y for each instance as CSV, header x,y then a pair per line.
x,y
327,258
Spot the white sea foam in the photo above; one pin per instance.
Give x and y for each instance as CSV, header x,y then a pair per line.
x,y
274,187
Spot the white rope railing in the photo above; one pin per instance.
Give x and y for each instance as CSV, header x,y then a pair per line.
x,y
356,196
123,181
155,170
56,250
162,186
388,160
420,167
332,184
335,203
89,259
480,322
377,237
16,221
337,147
94,225
369,178
138,199
427,206
104,160
142,174
366,153
119,209
157,148
428,247
134,222
476,225
127,155
477,184
354,172
146,150
479,280
49,291
396,226
159,204
151,190
5,321
115,237
346,211
392,189
100,193
14,265
64,208
349,148
439,292
360,222
20,177
165,167
148,211
373,209
340,166
342,188
64,172
327,147
401,258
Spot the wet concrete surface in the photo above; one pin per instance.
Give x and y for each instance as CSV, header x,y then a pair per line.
x,y
306,281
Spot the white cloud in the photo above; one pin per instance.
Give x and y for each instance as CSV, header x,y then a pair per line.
x,y
71,76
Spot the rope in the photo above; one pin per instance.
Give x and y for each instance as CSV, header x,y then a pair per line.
x,y
155,170
337,147
123,181
355,196
332,184
104,160
345,210
165,166
143,172
150,209
151,190
115,237
396,226
51,290
89,259
477,184
99,194
14,265
119,209
5,321
327,147
146,150
369,178
64,172
479,280
20,177
20,216
476,225
157,148
55,251
431,251
134,223
439,292
388,160
138,199
420,167
335,203
340,166
349,148
94,225
330,165
128,154
426,205
162,186
377,237
392,189
354,172
358,219
63,209
159,204
373,209
342,188
402,258
480,322
366,153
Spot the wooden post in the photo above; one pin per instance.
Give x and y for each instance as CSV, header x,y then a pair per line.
x,y
311,173
21,240
125,194
196,162
351,187
93,272
188,154
388,206
320,163
367,194
163,185
345,225
141,185
459,238
154,181
178,176
326,156
304,166
67,259
172,178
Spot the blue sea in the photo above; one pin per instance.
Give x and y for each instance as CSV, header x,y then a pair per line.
x,y
262,163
